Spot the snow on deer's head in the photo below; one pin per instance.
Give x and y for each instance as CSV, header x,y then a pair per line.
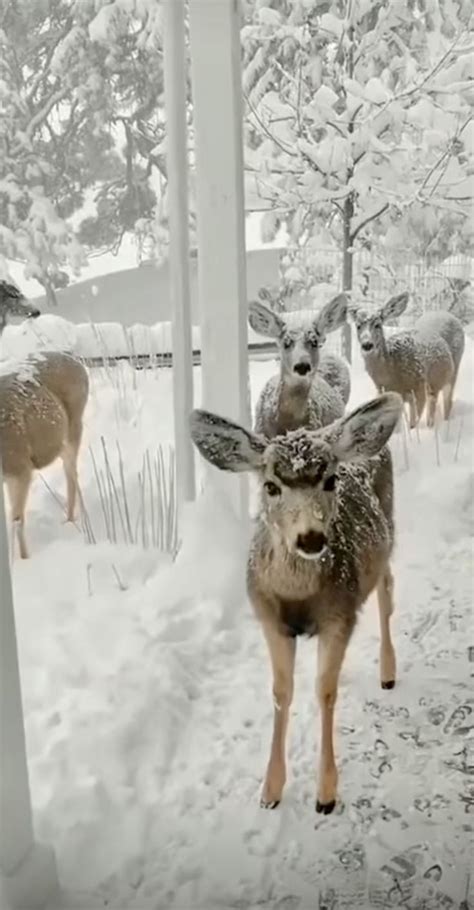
x,y
369,323
298,472
300,345
14,303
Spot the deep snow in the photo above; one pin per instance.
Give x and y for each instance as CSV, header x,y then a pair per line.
x,y
148,703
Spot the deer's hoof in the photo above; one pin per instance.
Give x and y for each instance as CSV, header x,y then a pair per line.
x,y
389,684
269,804
325,808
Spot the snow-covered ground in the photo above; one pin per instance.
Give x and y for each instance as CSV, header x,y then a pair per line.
x,y
148,706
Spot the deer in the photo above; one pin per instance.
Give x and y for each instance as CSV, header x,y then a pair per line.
x,y
42,403
445,326
322,542
14,303
311,389
417,363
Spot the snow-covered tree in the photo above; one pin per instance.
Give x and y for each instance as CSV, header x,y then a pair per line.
x,y
357,111
80,99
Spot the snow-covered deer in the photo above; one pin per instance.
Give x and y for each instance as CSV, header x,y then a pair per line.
x,y
14,303
416,363
41,410
432,327
312,387
322,543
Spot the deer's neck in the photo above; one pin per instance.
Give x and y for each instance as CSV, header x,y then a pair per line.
x,y
292,405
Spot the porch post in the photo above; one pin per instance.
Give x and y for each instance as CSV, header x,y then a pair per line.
x,y
27,870
217,106
177,166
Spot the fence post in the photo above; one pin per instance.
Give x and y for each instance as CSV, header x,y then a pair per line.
x,y
217,105
178,211
27,870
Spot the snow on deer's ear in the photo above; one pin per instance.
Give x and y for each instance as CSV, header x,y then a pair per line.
x,y
225,444
395,306
364,432
263,321
332,315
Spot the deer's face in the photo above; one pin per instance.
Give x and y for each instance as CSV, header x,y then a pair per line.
x,y
299,353
298,472
298,491
300,344
369,328
14,303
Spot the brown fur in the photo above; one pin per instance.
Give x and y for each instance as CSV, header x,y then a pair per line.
x,y
322,543
292,596
41,412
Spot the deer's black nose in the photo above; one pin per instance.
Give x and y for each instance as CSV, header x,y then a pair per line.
x,y
311,543
302,368
367,345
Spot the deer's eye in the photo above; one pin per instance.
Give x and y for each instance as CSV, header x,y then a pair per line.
x,y
272,488
329,483
288,342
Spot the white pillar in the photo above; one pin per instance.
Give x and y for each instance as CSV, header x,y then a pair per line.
x,y
27,870
217,105
178,208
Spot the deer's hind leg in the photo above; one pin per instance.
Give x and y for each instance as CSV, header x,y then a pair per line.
x,y
387,651
69,457
18,488
282,654
448,394
432,400
416,402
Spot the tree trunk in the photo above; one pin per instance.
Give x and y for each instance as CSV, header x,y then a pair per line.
x,y
347,272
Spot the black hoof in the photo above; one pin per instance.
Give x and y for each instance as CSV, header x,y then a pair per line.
x,y
271,805
325,808
390,684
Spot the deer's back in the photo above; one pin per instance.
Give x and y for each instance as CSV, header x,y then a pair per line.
x,y
439,366
337,374
401,369
449,328
66,377
303,597
33,425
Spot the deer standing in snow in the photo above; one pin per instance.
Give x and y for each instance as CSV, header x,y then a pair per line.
x,y
417,363
430,328
322,543
42,404
312,388
13,303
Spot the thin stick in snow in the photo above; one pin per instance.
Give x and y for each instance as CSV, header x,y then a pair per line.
x,y
436,436
121,584
458,443
89,579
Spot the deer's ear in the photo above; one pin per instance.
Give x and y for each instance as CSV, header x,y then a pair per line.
x,y
264,321
364,432
332,315
225,444
395,306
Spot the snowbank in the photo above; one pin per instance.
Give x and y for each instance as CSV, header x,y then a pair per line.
x,y
148,708
93,340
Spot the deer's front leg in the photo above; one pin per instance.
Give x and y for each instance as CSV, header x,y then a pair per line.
x,y
332,644
282,654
